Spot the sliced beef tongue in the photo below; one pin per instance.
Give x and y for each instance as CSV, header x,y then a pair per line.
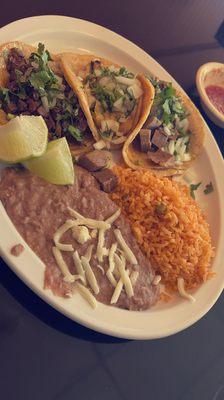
x,y
145,140
159,138
94,160
161,157
107,180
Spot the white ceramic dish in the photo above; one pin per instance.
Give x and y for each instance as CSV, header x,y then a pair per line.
x,y
64,33
211,73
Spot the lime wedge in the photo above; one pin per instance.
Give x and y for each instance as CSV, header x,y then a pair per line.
x,y
22,138
55,165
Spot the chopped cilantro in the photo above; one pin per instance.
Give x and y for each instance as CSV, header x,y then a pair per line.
x,y
209,188
4,95
76,133
193,188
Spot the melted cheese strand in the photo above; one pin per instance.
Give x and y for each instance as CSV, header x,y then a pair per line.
x,y
68,277
113,217
134,277
60,231
87,295
79,266
120,263
127,251
89,222
90,275
117,291
181,289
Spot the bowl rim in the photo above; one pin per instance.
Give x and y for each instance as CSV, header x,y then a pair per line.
x,y
202,70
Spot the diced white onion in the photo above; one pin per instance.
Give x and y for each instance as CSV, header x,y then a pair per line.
x,y
171,147
101,268
109,124
182,124
187,157
119,104
135,90
127,251
126,81
99,145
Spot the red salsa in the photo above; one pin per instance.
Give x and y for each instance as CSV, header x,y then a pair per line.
x,y
216,96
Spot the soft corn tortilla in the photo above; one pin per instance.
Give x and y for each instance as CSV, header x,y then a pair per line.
x,y
76,66
136,159
55,65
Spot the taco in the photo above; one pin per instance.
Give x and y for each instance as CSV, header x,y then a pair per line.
x,y
32,83
171,137
115,102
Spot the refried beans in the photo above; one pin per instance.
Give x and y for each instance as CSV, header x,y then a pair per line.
x,y
38,208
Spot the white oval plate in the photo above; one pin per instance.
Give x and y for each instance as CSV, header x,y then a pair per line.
x,y
65,33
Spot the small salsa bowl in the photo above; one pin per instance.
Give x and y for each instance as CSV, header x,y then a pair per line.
x,y
211,73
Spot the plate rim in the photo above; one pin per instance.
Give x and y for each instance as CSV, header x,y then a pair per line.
x,y
216,163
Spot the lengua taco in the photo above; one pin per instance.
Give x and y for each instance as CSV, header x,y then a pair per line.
x,y
32,83
171,137
116,103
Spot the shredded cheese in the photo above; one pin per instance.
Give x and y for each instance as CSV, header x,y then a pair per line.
x,y
79,266
134,277
120,263
182,291
90,275
68,277
111,278
93,234
88,254
58,234
113,217
80,234
87,295
117,290
156,280
101,268
101,239
110,270
127,251
89,222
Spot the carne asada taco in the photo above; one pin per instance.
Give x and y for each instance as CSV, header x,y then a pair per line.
x,y
116,103
172,136
32,83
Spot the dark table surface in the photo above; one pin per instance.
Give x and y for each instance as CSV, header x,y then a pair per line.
x,y
45,356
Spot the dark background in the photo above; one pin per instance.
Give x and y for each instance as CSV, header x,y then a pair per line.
x,y
45,356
